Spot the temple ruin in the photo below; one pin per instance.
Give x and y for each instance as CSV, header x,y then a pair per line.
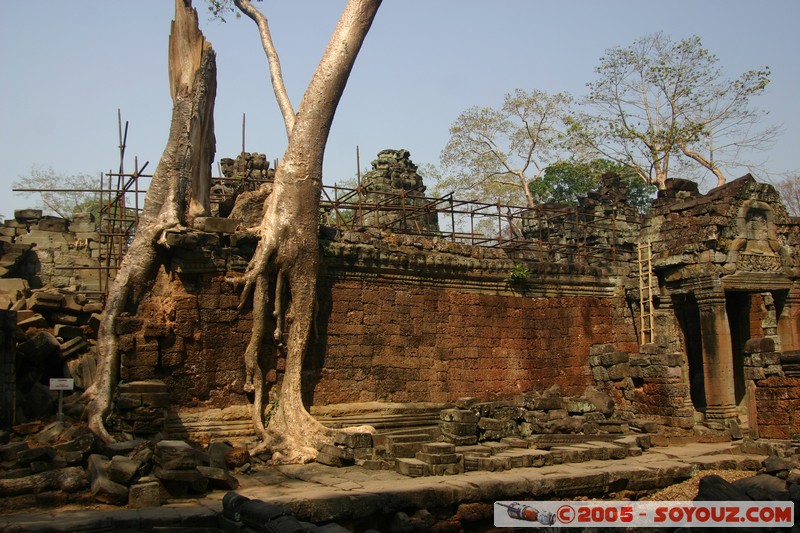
x,y
561,320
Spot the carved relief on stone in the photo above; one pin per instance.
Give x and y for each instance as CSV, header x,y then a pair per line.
x,y
758,263
757,244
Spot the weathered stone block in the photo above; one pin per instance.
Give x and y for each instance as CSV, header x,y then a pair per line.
x,y
122,470
142,495
219,478
353,440
173,455
412,467
458,415
458,429
26,215
764,344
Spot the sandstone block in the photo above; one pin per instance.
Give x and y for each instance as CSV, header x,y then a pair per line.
x,y
67,332
141,495
25,215
173,455
412,467
122,470
458,416
353,440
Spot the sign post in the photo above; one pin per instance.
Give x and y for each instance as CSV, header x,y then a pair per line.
x,y
61,384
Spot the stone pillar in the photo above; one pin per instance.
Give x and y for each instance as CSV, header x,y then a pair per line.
x,y
789,322
717,356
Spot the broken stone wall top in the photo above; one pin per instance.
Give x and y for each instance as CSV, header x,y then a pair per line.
x,y
742,217
51,251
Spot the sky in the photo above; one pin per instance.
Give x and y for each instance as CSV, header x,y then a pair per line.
x,y
68,67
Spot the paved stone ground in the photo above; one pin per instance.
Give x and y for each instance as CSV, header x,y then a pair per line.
x,y
320,494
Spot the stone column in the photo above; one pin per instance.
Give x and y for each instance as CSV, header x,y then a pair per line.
x,y
717,356
789,322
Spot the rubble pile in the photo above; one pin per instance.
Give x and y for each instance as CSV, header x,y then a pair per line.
x,y
57,463
56,338
51,251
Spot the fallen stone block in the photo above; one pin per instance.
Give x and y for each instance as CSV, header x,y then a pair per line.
x,y
121,448
458,415
174,455
63,318
41,453
73,347
106,491
27,215
332,460
219,478
447,469
516,442
35,321
39,347
67,332
184,475
141,495
70,479
438,447
92,307
256,514
412,467
122,469
46,301
459,429
353,439
13,285
436,458
460,440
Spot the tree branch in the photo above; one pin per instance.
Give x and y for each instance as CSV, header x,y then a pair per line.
x,y
282,97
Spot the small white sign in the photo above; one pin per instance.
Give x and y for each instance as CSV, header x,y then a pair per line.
x,y
62,384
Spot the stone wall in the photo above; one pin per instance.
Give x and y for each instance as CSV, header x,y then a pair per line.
x,y
411,320
391,341
44,249
776,390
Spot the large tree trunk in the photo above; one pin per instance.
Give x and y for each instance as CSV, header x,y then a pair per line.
x,y
182,177
289,249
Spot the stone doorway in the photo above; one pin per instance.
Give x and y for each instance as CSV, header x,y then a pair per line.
x,y
688,315
739,307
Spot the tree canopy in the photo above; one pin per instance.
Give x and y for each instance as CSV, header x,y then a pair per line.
x,y
59,194
493,154
567,181
659,104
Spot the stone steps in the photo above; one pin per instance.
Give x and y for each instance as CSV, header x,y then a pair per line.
x,y
521,453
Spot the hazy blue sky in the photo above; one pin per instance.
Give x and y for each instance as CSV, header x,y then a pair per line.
x,y
68,66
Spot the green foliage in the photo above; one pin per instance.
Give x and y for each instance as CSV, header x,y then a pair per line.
x,y
518,277
79,198
567,181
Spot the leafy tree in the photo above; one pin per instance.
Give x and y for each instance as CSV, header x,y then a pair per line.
x,y
790,194
61,195
493,154
658,103
566,181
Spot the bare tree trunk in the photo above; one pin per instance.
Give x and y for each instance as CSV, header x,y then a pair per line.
x,y
289,247
186,160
